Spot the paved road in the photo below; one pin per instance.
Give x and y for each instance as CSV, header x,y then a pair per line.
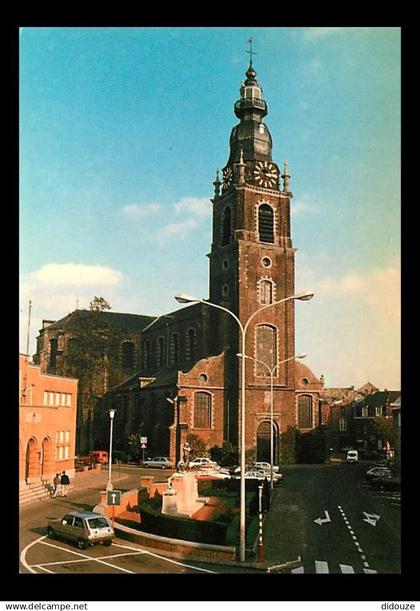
x,y
42,555
348,537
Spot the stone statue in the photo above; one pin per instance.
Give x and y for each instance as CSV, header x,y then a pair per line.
x,y
186,453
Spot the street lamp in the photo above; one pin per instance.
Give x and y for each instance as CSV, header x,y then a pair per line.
x,y
184,298
271,371
109,486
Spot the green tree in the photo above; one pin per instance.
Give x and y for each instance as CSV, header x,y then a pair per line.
x,y
99,304
198,446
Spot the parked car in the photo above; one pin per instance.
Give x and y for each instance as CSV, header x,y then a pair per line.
x,y
265,466
202,461
352,456
212,473
160,462
387,481
259,475
84,529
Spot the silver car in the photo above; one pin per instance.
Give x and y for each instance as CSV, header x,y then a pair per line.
x,y
84,529
160,462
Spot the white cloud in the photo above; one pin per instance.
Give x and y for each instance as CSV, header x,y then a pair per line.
x,y
74,274
180,230
136,211
316,33
198,207
305,205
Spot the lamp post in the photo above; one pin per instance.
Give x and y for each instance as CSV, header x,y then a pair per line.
x,y
271,371
182,298
109,486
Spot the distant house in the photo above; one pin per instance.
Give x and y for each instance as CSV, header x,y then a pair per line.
x,y
47,424
372,421
396,427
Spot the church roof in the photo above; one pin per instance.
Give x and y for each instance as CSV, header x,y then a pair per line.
x,y
114,320
305,379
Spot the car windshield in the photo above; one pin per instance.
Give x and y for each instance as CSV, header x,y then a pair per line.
x,y
97,523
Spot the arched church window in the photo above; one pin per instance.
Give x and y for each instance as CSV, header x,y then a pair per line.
x,y
304,412
53,351
175,348
191,344
266,348
127,355
202,410
160,352
266,223
266,292
226,226
146,354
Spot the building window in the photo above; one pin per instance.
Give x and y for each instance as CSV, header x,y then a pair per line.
x,y
175,348
203,378
225,290
365,411
266,261
225,265
304,412
266,292
191,342
266,223
378,411
127,355
226,226
342,425
160,351
53,351
305,381
146,354
202,410
266,348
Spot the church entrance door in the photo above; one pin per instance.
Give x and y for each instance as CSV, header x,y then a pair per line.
x,y
264,442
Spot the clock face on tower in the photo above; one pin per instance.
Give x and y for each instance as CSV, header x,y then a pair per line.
x,y
227,177
266,174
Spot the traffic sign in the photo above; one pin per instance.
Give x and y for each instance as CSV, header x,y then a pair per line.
x,y
143,439
143,445
114,497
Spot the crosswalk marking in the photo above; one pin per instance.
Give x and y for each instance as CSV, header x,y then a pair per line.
x,y
322,567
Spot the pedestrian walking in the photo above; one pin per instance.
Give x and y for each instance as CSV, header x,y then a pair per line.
x,y
65,481
56,484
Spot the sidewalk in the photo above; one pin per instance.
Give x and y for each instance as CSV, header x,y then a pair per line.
x,y
281,530
93,479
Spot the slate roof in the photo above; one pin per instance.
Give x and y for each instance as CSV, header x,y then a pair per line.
x,y
114,320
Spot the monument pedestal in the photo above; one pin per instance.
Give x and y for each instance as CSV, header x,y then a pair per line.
x,y
181,498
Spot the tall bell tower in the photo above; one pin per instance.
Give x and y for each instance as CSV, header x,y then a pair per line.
x,y
252,265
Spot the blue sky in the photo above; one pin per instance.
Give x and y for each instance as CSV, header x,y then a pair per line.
x,y
121,133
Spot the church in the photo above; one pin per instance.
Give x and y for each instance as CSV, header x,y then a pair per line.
x,y
180,374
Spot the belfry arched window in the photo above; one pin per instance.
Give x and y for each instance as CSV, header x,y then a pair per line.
x,y
266,348
202,410
266,223
266,292
226,226
305,412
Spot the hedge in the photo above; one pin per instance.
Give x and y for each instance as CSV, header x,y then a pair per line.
x,y
153,521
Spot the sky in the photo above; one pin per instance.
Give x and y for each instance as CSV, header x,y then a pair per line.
x,y
122,131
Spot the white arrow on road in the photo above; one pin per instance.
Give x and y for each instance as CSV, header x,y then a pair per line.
x,y
323,520
371,518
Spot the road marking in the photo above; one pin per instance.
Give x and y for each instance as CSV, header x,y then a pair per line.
x,y
119,568
345,568
24,551
323,520
85,558
371,518
353,536
369,571
321,567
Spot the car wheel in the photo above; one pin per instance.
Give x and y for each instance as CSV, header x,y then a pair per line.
x,y
108,543
82,544
50,532
163,467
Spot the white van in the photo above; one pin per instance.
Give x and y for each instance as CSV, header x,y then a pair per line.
x,y
352,456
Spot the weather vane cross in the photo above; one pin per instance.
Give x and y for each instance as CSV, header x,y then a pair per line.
x,y
250,51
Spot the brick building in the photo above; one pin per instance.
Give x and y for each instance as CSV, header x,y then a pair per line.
x,y
47,424
186,375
